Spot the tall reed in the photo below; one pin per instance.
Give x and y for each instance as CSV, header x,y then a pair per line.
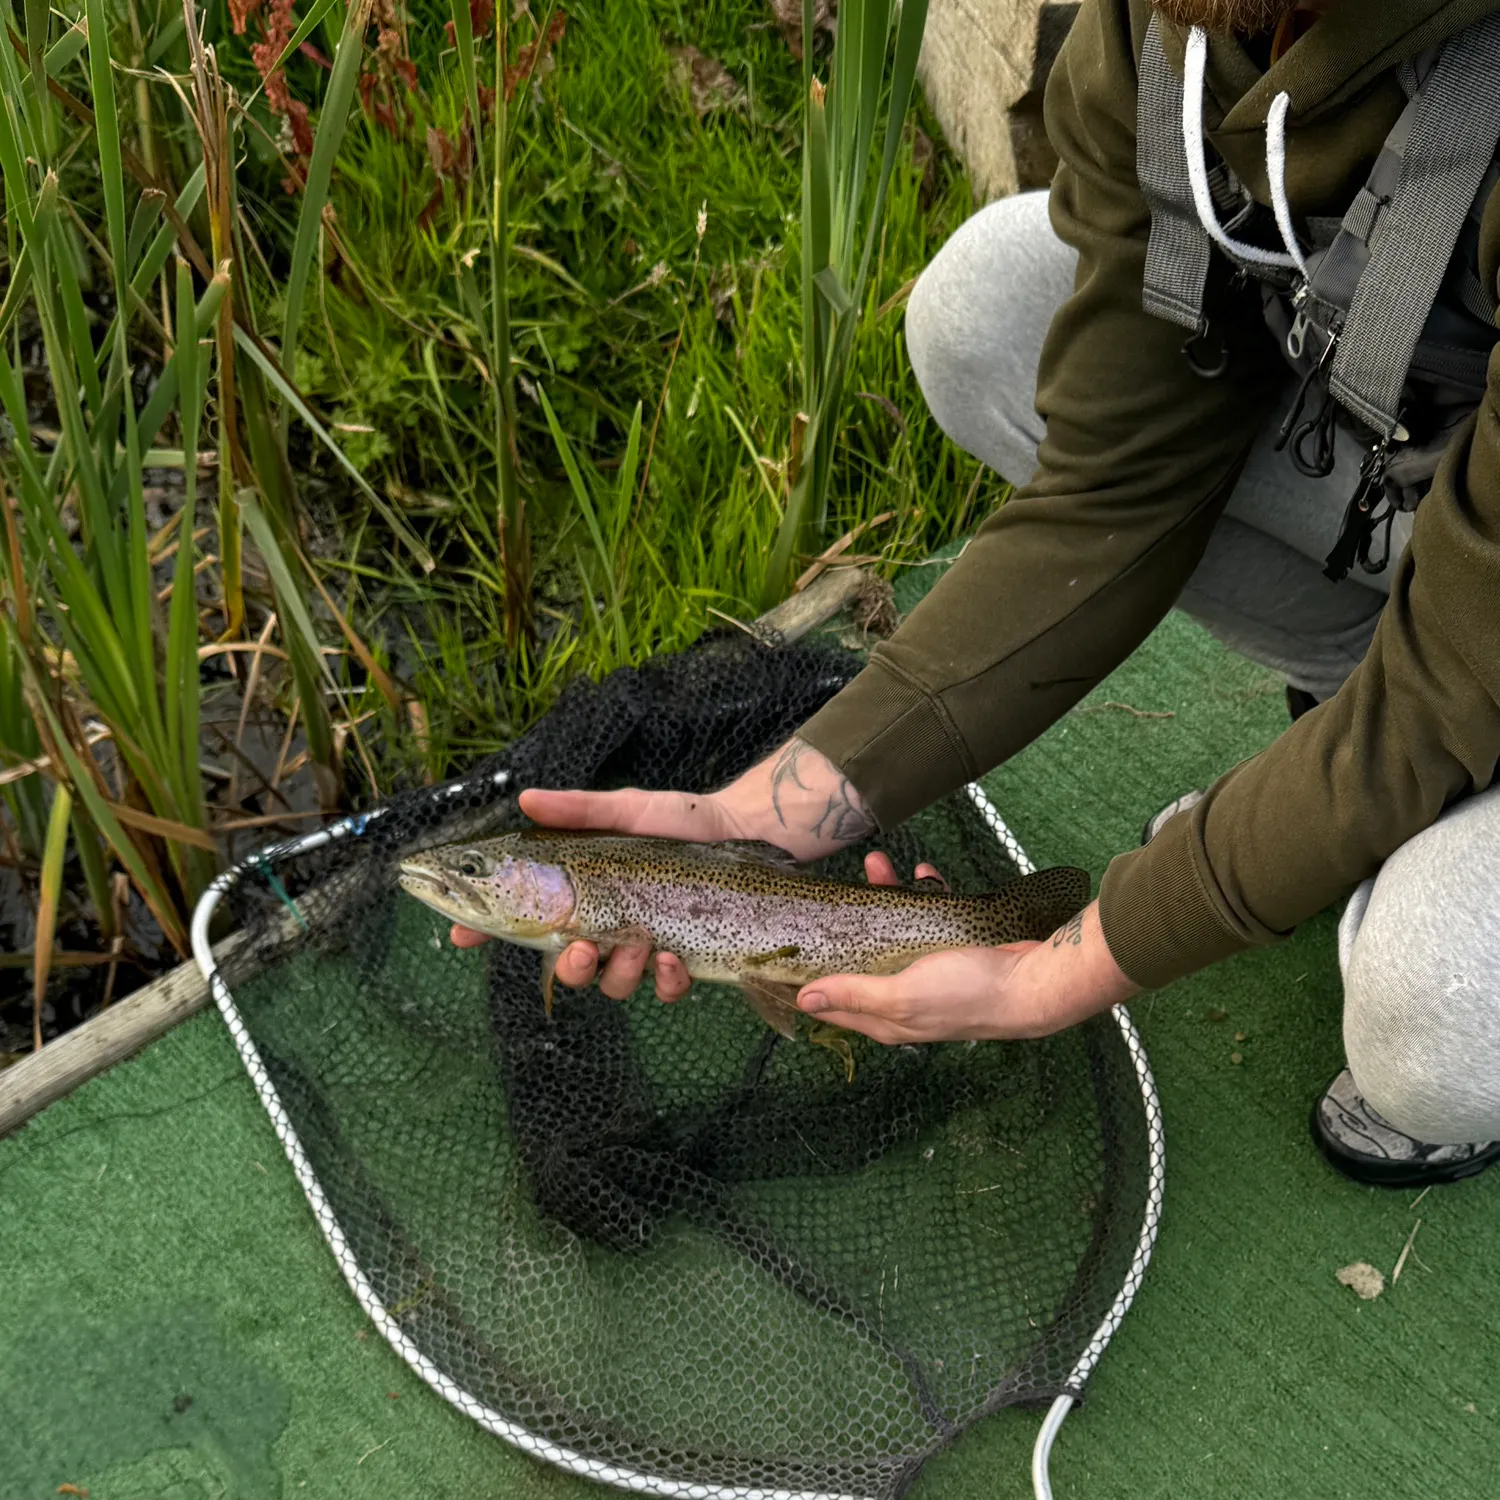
x,y
874,71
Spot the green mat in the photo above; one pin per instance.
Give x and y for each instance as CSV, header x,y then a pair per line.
x,y
172,1324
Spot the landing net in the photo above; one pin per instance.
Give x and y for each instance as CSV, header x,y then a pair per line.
x,y
657,1245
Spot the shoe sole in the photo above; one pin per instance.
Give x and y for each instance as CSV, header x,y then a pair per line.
x,y
1373,1172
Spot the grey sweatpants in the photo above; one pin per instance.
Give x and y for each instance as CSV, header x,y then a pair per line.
x,y
1421,968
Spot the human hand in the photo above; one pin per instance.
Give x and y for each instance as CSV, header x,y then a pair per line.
x,y
980,994
795,799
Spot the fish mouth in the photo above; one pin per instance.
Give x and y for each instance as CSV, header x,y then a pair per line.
x,y
435,888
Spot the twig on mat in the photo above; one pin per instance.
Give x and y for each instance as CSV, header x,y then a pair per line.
x,y
1139,713
930,562
1405,1251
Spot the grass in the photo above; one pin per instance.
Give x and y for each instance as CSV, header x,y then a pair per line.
x,y
478,410
656,262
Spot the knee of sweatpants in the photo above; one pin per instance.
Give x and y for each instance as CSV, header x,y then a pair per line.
x,y
1422,981
975,324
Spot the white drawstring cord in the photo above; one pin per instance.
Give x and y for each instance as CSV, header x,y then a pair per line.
x,y
1192,139
1276,171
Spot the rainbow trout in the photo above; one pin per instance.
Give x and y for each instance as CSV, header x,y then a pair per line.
x,y
735,913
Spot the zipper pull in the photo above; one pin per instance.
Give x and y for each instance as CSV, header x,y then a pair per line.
x,y
1296,339
1359,517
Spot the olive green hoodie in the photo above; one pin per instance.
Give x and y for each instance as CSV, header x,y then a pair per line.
x,y
1075,570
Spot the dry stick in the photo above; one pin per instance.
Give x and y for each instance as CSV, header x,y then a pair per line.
x,y
206,561
826,558
262,645
46,763
1140,713
249,648
119,891
286,743
266,820
1405,1251
71,1059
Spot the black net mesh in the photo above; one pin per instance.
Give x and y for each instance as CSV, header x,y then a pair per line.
x,y
658,1237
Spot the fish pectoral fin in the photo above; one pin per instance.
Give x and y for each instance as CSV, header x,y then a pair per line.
x,y
775,1004
549,973
624,937
837,1042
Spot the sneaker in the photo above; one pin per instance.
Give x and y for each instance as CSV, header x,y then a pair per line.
x,y
1158,821
1358,1143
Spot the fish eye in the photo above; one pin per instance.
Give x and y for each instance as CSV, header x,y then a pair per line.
x,y
471,864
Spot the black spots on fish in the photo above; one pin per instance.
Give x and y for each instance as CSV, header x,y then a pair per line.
x,y
1033,907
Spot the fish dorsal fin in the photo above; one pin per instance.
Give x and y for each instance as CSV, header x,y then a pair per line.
x,y
1036,905
751,852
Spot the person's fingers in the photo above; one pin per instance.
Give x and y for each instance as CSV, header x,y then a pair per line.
x,y
623,970
577,964
555,809
466,937
672,980
877,1005
653,814
931,872
879,870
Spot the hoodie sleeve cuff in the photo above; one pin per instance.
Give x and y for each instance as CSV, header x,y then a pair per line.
x,y
892,740
1159,910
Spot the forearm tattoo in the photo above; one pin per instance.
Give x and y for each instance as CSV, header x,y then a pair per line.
x,y
843,818
1070,932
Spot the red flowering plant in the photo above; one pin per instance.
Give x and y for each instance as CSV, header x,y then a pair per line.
x,y
386,78
452,160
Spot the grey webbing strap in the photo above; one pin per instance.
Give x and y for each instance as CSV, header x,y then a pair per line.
x,y
1453,139
1178,256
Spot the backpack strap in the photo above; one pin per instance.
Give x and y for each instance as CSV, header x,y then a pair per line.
x,y
1180,251
1405,222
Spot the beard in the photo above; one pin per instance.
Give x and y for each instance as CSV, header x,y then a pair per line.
x,y
1242,17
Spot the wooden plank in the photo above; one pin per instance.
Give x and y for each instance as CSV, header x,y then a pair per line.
x,y
113,1035
818,603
